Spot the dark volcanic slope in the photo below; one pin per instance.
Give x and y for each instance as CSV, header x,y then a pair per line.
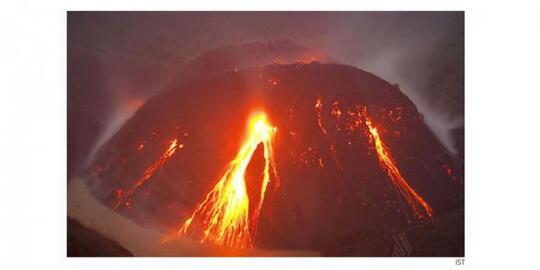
x,y
339,203
84,242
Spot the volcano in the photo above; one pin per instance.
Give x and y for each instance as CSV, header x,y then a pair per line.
x,y
355,171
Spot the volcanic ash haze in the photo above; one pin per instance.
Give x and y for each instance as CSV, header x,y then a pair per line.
x,y
355,159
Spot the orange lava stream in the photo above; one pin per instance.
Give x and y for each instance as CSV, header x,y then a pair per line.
x,y
318,110
223,216
419,206
148,173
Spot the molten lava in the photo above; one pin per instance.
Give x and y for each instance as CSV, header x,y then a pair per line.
x,y
123,196
318,110
223,216
419,206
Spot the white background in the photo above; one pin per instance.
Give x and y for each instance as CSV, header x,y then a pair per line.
x,y
502,136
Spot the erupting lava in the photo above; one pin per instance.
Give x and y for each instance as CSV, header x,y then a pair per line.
x,y
123,196
223,216
419,206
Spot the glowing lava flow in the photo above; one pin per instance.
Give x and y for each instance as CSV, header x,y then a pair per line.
x,y
223,216
318,110
419,206
122,196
